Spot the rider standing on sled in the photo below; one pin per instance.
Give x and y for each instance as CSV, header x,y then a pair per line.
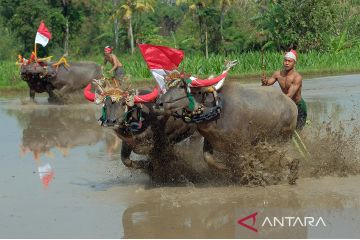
x,y
117,66
290,82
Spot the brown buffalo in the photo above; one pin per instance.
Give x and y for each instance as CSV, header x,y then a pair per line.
x,y
58,80
248,115
139,127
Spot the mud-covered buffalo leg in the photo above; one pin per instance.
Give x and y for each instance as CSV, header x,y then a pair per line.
x,y
63,91
52,96
32,94
125,158
209,157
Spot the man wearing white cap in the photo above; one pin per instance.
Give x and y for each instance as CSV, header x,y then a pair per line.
x,y
290,83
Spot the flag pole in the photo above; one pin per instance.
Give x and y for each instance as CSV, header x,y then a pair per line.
x,y
35,51
262,64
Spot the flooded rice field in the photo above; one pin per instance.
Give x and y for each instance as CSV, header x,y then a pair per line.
x,y
61,176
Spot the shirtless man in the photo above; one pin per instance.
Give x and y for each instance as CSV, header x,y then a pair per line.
x,y
290,83
114,61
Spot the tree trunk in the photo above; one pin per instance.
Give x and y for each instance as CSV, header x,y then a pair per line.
x,y
116,25
116,32
65,6
66,42
131,36
221,24
206,44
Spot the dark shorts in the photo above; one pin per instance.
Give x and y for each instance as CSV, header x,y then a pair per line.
x,y
119,74
302,114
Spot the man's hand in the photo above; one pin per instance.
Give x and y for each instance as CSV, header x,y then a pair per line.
x,y
264,80
271,80
110,71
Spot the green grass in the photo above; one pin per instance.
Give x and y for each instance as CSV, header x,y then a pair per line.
x,y
10,76
249,65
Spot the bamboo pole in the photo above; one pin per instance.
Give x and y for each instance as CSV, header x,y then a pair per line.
x,y
262,64
301,147
206,45
35,52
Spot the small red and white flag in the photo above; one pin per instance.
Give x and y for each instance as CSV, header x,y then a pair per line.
x,y
43,35
46,174
161,59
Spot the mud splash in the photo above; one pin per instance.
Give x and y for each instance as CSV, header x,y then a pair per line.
x,y
263,164
334,151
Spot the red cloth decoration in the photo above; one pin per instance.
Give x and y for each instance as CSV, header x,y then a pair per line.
x,y
150,97
88,94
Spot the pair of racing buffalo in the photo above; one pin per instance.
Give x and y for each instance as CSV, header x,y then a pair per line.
x,y
147,120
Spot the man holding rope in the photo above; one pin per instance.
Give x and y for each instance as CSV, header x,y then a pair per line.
x,y
290,82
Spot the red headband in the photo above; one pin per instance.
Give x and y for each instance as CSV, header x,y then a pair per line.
x,y
107,50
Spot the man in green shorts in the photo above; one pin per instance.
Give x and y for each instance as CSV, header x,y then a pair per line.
x,y
290,83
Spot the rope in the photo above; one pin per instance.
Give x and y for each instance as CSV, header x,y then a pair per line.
x,y
300,145
61,61
46,59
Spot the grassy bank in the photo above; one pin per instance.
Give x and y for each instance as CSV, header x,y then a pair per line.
x,y
346,61
9,76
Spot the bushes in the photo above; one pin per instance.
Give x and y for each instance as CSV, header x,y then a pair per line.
x,y
241,26
308,24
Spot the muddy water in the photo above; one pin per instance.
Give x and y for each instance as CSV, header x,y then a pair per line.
x,y
61,177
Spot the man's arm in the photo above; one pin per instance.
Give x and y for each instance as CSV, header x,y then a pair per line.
x,y
116,62
295,85
104,63
271,80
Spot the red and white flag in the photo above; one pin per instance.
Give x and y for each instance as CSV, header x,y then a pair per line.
x,y
46,174
160,59
43,35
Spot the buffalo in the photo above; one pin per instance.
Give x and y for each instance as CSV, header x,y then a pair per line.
x,y
134,120
248,115
58,79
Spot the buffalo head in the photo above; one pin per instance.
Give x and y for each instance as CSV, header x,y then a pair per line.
x,y
33,68
175,98
121,109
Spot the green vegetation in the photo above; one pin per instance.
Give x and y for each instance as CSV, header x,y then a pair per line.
x,y
10,76
324,32
312,62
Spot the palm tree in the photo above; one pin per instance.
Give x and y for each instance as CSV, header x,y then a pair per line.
x,y
197,6
65,5
127,11
116,24
224,5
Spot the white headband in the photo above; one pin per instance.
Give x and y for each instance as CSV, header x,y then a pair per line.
x,y
290,55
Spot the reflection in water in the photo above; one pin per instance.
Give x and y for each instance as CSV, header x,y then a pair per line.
x,y
46,128
61,128
213,212
46,174
157,221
